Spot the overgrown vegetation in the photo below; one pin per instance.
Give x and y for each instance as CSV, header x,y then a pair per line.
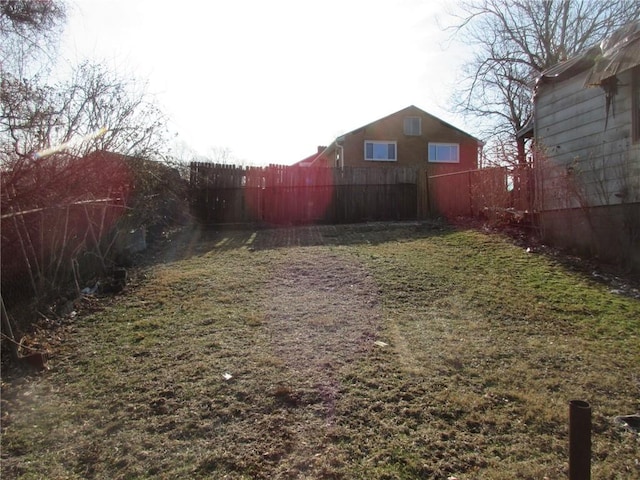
x,y
67,222
75,165
253,354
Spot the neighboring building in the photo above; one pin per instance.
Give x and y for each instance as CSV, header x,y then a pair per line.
x,y
316,157
586,129
408,138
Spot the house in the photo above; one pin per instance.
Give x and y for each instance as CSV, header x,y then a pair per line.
x,y
586,133
410,137
317,157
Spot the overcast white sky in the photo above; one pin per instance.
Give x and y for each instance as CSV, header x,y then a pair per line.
x,y
271,80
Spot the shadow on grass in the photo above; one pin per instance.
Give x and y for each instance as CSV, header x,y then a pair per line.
x,y
196,240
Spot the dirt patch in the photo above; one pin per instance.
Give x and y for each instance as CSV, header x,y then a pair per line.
x,y
251,354
322,314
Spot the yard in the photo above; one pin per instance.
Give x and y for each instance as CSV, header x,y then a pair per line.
x,y
365,351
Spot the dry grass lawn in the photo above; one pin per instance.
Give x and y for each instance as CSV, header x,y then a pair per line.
x,y
373,351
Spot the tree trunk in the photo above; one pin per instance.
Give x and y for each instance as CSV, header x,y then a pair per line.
x,y
522,158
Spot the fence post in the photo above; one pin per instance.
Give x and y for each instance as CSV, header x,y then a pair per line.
x,y
422,191
579,440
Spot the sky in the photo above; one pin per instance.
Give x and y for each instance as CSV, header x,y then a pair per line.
x,y
269,81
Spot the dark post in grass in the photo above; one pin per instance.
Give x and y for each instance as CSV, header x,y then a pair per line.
x,y
579,440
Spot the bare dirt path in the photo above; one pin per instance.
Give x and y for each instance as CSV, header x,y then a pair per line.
x,y
251,355
322,313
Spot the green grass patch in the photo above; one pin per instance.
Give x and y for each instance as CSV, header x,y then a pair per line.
x,y
262,363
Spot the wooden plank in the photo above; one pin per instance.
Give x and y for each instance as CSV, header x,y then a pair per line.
x,y
585,138
449,195
568,95
422,194
582,101
277,194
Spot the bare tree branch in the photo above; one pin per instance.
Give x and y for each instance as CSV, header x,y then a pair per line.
x,y
515,40
29,31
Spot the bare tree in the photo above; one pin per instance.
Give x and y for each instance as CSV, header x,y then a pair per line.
x,y
97,100
29,31
94,110
222,155
37,115
514,41
26,18
76,169
63,198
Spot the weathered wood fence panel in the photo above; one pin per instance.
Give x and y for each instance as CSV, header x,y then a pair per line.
x,y
450,194
301,195
219,193
481,192
523,192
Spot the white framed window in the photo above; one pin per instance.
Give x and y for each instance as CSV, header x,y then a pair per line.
x,y
413,126
444,152
380,151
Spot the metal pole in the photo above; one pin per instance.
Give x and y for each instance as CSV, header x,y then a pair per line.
x,y
579,440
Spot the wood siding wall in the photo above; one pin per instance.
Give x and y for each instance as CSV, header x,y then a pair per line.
x,y
588,170
585,158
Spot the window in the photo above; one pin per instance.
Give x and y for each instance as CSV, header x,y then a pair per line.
x,y
444,152
635,104
380,151
412,126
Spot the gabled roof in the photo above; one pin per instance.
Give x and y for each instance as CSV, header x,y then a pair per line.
x,y
305,162
570,67
411,109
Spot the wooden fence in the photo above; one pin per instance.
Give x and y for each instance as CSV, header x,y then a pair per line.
x,y
281,195
303,195
485,192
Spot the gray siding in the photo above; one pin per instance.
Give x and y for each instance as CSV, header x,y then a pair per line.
x,y
608,232
582,163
